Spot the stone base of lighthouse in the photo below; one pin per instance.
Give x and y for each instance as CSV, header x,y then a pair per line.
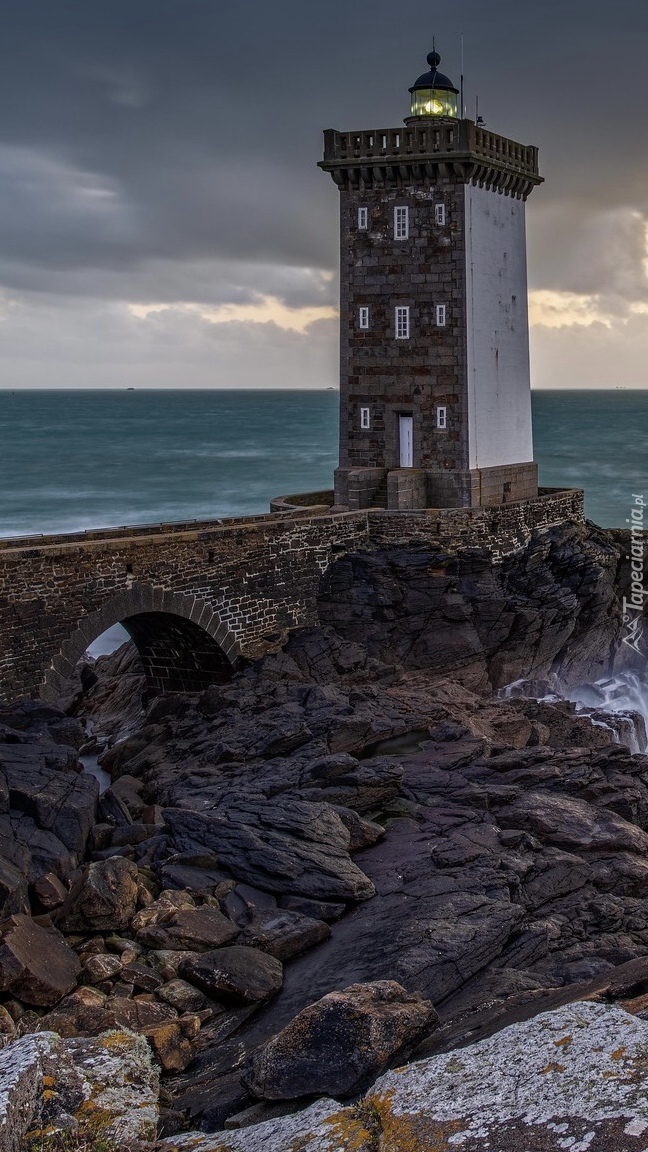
x,y
407,489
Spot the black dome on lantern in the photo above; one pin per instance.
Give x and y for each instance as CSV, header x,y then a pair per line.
x,y
434,78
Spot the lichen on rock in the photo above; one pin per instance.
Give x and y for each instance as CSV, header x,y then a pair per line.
x,y
105,1086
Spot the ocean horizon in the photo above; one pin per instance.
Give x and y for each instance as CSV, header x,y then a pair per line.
x,y
78,459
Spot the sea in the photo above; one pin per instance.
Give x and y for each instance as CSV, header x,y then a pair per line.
x,y
71,460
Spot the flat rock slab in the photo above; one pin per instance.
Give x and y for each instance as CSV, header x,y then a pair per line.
x,y
193,929
283,846
574,1080
235,975
574,824
36,964
284,934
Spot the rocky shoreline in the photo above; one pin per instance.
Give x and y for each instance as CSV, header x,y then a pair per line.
x,y
353,854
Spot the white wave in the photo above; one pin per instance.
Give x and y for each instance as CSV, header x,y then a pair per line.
x,y
622,697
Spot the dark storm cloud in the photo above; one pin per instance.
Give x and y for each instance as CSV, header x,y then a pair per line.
x,y
165,151
137,130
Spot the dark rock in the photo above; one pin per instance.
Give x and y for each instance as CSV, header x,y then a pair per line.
x,y
181,996
168,901
129,790
36,964
13,889
24,713
362,833
100,838
67,731
42,785
113,810
200,880
328,768
553,602
284,934
143,978
235,975
103,897
258,1113
170,1047
140,1014
364,788
576,824
101,967
49,891
316,909
338,1045
133,834
195,929
213,1098
34,850
287,846
244,902
167,961
82,1013
171,1123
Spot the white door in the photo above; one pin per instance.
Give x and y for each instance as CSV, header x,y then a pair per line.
x,y
406,434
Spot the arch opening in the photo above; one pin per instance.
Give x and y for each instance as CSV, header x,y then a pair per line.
x,y
176,654
181,641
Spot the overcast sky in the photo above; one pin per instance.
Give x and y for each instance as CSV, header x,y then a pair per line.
x,y
163,222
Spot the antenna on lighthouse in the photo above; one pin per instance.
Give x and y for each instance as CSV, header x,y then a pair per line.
x,y
463,106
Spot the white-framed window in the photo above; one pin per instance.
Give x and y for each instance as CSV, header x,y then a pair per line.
x,y
365,418
402,323
442,416
363,219
363,317
440,214
441,315
401,223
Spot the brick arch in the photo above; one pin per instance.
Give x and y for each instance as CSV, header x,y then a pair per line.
x,y
162,624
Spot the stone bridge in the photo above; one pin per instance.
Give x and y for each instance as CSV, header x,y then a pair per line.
x,y
195,597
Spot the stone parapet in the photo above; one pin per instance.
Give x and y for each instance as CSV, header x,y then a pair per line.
x,y
426,152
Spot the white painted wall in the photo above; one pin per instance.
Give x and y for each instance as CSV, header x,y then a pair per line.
x,y
499,395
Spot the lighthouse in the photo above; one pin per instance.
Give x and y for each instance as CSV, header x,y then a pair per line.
x,y
435,399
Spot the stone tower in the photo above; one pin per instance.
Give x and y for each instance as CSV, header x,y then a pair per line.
x,y
435,403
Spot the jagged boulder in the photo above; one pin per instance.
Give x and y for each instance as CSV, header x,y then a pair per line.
x,y
338,1045
36,965
103,898
13,889
43,784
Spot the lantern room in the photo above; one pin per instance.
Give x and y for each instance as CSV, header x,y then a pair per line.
x,y
433,94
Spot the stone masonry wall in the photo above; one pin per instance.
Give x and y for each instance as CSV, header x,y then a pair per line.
x,y
243,583
414,375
